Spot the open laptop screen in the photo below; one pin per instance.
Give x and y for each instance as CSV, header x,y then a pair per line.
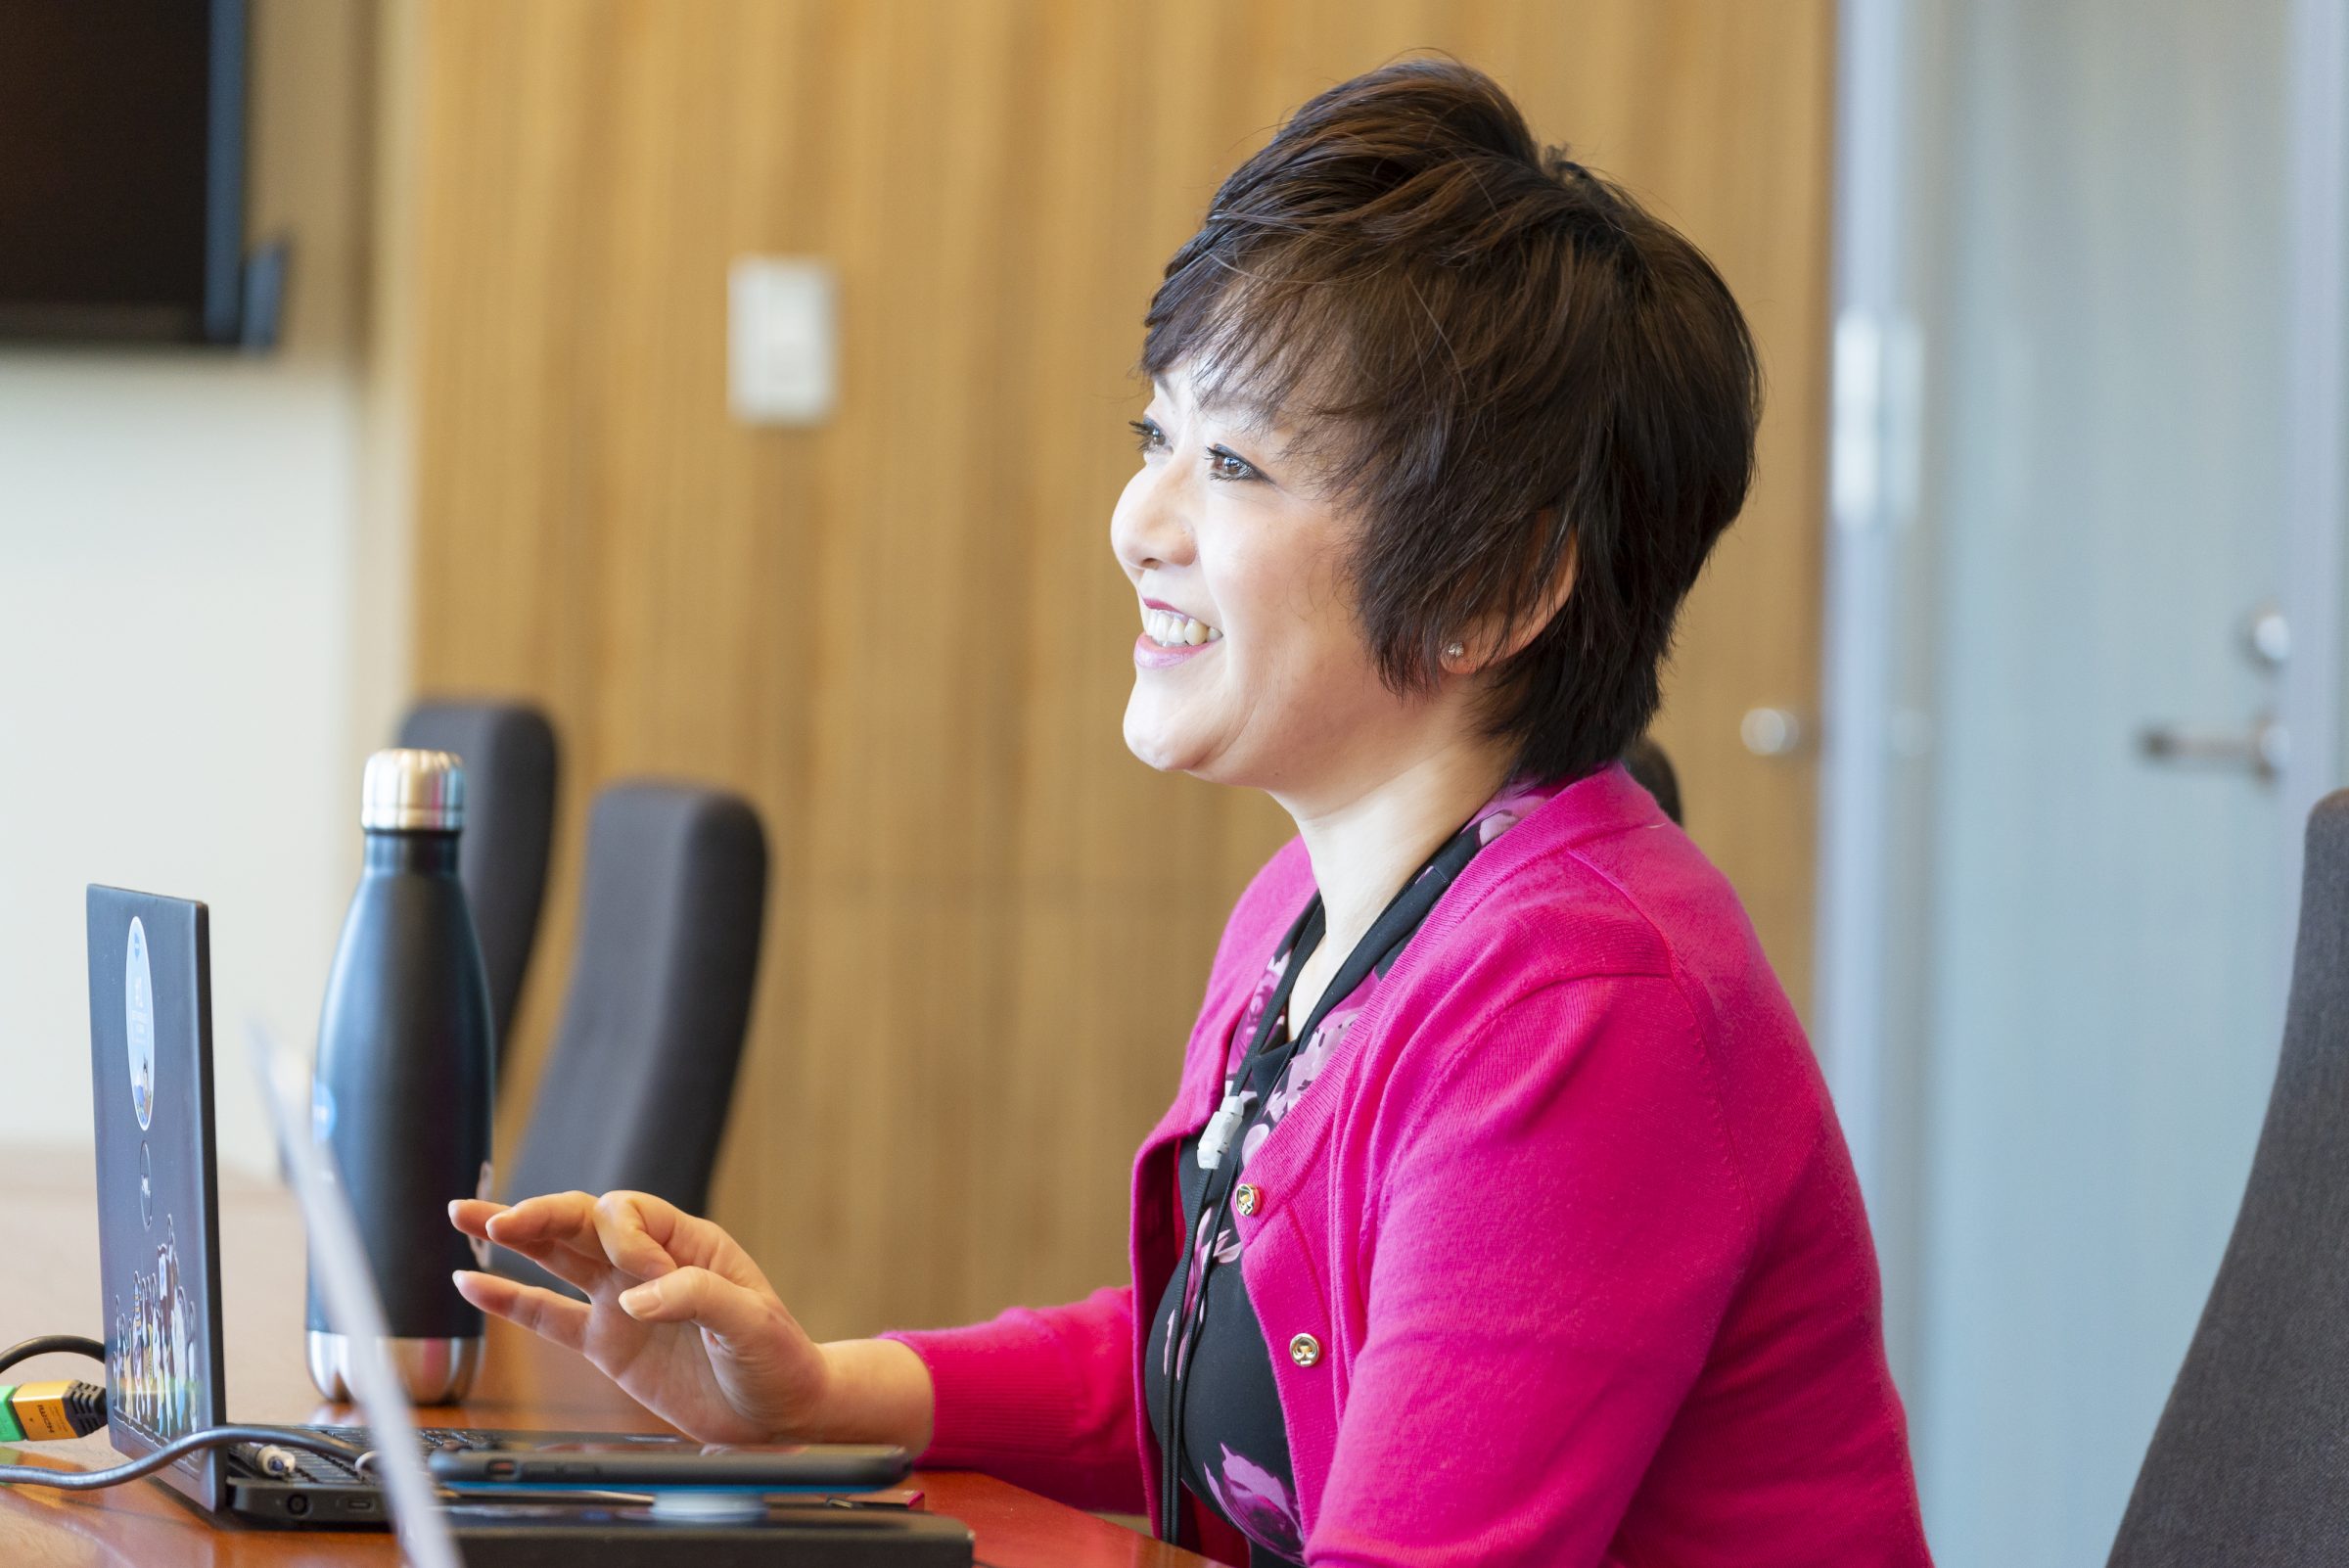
x,y
151,1080
339,1267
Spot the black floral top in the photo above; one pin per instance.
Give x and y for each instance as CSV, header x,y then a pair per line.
x,y
1235,1442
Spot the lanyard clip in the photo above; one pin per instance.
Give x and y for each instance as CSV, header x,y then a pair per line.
x,y
1214,1141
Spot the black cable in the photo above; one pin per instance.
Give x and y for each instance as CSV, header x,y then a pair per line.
x,y
211,1437
52,1345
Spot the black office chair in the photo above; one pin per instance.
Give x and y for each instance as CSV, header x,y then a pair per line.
x,y
2249,1464
635,1090
509,755
1645,762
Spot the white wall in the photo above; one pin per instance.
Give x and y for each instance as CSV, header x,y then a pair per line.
x,y
201,608
176,538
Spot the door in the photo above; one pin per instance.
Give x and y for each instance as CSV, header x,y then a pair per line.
x,y
2092,563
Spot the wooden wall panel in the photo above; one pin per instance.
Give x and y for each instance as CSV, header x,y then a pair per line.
x,y
903,634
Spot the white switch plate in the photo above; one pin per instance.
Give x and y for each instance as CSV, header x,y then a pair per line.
x,y
782,340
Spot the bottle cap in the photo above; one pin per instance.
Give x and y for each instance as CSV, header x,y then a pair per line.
x,y
409,790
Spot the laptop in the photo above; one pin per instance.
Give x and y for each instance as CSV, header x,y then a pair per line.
x,y
158,1239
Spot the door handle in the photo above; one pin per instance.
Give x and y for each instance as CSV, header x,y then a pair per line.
x,y
2260,751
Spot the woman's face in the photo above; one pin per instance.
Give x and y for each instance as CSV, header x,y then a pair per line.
x,y
1251,668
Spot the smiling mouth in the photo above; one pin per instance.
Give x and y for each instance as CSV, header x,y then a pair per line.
x,y
1169,630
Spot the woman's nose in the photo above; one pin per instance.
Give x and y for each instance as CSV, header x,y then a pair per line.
x,y
1150,526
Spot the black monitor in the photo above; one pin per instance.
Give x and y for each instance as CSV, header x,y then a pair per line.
x,y
123,171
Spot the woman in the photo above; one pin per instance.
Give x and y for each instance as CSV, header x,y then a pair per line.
x,y
1500,1216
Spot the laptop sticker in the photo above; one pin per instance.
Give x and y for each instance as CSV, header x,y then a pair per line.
x,y
138,1006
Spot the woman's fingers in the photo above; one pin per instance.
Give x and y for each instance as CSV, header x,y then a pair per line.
x,y
680,1239
698,1296
634,1229
565,1220
565,1264
587,1241
473,1216
543,1312
555,1232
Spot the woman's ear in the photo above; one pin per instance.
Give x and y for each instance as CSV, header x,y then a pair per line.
x,y
1492,641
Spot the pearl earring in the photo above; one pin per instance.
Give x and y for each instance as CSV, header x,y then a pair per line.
x,y
1454,650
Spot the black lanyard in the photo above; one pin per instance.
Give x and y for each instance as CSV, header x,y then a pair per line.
x,y
1259,1071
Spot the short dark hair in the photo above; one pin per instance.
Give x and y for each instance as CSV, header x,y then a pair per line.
x,y
1502,358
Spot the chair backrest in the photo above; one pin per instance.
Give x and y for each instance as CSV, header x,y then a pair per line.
x,y
1645,762
2248,1466
635,1089
508,754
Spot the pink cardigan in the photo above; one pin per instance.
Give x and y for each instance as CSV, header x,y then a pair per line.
x,y
1568,1218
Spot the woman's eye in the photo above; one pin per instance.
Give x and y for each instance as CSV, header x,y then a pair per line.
x,y
1147,436
1226,464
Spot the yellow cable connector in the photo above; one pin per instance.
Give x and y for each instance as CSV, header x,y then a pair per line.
x,y
50,1413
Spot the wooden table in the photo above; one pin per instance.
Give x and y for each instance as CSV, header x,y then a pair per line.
x,y
49,1285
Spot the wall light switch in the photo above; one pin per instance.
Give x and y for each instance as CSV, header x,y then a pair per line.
x,y
782,340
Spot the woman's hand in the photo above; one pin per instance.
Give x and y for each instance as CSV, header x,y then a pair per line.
x,y
679,1317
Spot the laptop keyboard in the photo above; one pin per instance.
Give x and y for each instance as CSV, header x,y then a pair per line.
x,y
327,1471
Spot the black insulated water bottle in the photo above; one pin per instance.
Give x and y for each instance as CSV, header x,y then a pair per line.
x,y
403,1084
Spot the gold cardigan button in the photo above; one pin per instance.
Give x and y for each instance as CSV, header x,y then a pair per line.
x,y
1305,1349
1247,1197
